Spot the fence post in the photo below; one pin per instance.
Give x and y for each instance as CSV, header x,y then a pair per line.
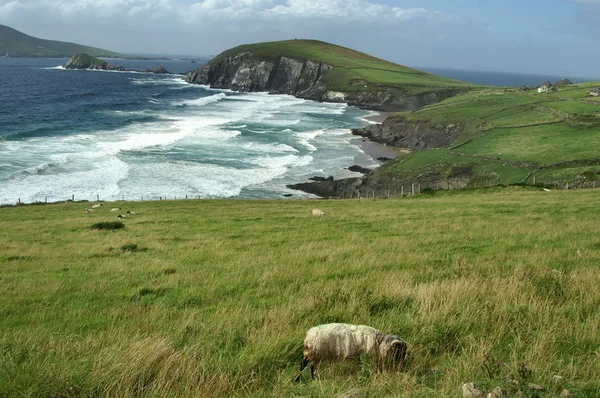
x,y
73,197
412,189
46,199
533,180
402,191
419,189
567,186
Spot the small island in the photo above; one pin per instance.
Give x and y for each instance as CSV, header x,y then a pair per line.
x,y
87,62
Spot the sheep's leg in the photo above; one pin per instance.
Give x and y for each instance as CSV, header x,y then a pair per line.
x,y
314,370
303,364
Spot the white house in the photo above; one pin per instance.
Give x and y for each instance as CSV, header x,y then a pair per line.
x,y
545,87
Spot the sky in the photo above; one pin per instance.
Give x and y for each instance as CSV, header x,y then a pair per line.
x,y
557,37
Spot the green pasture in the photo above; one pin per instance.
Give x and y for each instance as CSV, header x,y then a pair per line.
x,y
212,298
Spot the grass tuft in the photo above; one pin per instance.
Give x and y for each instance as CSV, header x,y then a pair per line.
x,y
108,225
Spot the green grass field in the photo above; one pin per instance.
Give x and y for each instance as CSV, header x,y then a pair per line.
x,y
515,134
212,298
352,70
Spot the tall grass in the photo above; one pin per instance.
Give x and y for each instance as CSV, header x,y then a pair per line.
x,y
218,302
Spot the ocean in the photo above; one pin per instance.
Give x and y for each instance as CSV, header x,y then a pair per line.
x,y
134,136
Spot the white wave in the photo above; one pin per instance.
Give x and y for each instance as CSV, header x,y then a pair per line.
x,y
202,101
268,148
370,114
176,81
59,67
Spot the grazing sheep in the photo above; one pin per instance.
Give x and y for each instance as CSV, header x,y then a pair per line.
x,y
318,213
115,209
338,341
130,213
121,216
88,210
96,206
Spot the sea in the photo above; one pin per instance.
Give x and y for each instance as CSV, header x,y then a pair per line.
x,y
92,135
89,135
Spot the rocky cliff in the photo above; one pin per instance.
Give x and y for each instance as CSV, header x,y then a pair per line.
x,y
304,79
416,135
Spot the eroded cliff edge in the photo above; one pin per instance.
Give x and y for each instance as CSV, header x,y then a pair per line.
x,y
306,79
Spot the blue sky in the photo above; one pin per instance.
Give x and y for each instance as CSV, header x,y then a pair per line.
x,y
530,36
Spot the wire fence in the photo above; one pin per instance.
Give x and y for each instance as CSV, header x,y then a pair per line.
x,y
397,191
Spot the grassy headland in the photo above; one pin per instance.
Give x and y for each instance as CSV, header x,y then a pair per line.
x,y
352,70
213,297
516,136
17,44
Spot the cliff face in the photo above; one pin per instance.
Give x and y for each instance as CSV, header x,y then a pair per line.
x,y
416,135
303,79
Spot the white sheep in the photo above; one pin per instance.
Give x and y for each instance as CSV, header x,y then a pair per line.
x,y
121,216
318,213
339,341
130,213
88,210
96,206
115,209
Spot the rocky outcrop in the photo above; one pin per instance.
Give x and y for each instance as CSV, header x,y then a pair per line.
x,y
416,135
84,61
380,183
303,79
158,70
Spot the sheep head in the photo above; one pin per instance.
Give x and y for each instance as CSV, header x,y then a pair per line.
x,y
399,349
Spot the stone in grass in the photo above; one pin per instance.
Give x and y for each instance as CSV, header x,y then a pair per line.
x,y
350,394
469,391
565,394
557,378
496,393
535,387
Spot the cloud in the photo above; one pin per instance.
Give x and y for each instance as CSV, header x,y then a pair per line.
x,y
410,36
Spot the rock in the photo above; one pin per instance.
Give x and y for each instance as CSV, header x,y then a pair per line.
x,y
557,378
469,391
350,394
288,195
416,135
317,178
384,159
158,69
565,394
84,61
242,71
359,169
535,387
496,393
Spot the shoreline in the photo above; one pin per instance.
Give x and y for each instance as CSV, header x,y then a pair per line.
x,y
377,117
377,150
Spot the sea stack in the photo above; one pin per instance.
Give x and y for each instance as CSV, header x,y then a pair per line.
x,y
84,61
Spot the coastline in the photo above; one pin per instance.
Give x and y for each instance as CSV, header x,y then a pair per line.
x,y
377,150
377,117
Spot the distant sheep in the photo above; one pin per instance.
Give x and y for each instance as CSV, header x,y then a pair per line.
x,y
130,213
121,216
96,206
115,209
318,213
88,210
338,341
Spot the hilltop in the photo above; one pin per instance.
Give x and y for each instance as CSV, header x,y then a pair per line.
x,y
17,44
488,137
325,72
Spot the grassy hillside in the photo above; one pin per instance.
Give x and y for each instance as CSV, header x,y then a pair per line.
x,y
551,136
16,44
352,70
212,298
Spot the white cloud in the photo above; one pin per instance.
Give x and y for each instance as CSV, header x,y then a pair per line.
x,y
210,26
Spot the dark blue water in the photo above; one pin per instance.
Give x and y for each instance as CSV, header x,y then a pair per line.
x,y
115,134
502,78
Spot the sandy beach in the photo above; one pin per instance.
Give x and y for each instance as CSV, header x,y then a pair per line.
x,y
377,150
378,117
